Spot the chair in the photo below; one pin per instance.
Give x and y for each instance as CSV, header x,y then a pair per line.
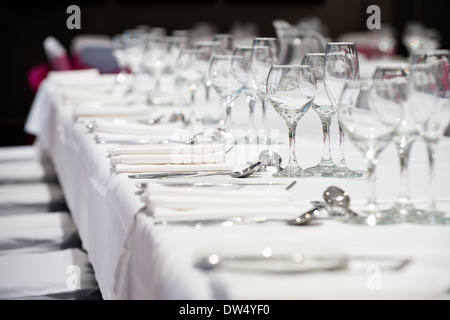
x,y
56,54
38,232
46,275
93,51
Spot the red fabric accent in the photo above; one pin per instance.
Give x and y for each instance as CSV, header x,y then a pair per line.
x,y
36,75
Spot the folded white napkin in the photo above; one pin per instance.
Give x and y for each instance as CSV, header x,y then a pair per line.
x,y
168,154
81,95
149,168
72,76
139,129
96,111
197,203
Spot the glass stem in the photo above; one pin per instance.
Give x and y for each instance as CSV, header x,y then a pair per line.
x,y
292,127
404,151
326,125
157,81
192,91
207,87
341,163
431,148
371,178
251,100
228,103
264,109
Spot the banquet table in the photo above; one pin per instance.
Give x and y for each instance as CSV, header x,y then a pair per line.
x,y
136,258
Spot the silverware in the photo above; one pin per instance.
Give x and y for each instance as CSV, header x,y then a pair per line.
x,y
300,220
298,262
191,140
151,121
160,175
239,174
143,185
338,202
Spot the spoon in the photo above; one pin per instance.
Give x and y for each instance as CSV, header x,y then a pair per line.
x,y
238,174
270,158
300,220
152,121
338,201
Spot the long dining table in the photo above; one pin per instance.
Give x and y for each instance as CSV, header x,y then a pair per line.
x,y
135,257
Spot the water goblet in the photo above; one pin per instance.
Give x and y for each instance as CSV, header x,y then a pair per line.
x,y
290,89
326,111
229,75
341,64
370,113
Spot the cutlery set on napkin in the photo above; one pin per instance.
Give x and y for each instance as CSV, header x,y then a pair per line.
x,y
165,203
169,158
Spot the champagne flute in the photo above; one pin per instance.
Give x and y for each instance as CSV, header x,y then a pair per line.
x,y
370,113
250,90
290,89
430,73
341,64
228,75
325,109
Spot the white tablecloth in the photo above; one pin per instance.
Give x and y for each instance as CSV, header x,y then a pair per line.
x,y
135,259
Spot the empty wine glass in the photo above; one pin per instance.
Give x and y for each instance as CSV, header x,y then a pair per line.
x,y
156,62
135,47
224,42
190,65
290,89
118,51
429,102
210,48
265,54
404,138
341,64
229,75
370,113
326,110
250,90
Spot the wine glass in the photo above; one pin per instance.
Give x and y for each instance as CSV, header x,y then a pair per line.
x,y
229,75
370,113
118,51
210,48
224,42
430,105
290,89
250,90
404,138
325,109
341,64
156,62
134,45
265,54
190,65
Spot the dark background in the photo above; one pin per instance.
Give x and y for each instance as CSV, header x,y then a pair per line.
x,y
25,24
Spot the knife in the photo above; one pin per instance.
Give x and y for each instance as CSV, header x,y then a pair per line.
x,y
160,175
208,184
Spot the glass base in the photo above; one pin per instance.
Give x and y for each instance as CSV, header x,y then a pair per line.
x,y
428,216
372,216
292,171
406,210
344,172
323,169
